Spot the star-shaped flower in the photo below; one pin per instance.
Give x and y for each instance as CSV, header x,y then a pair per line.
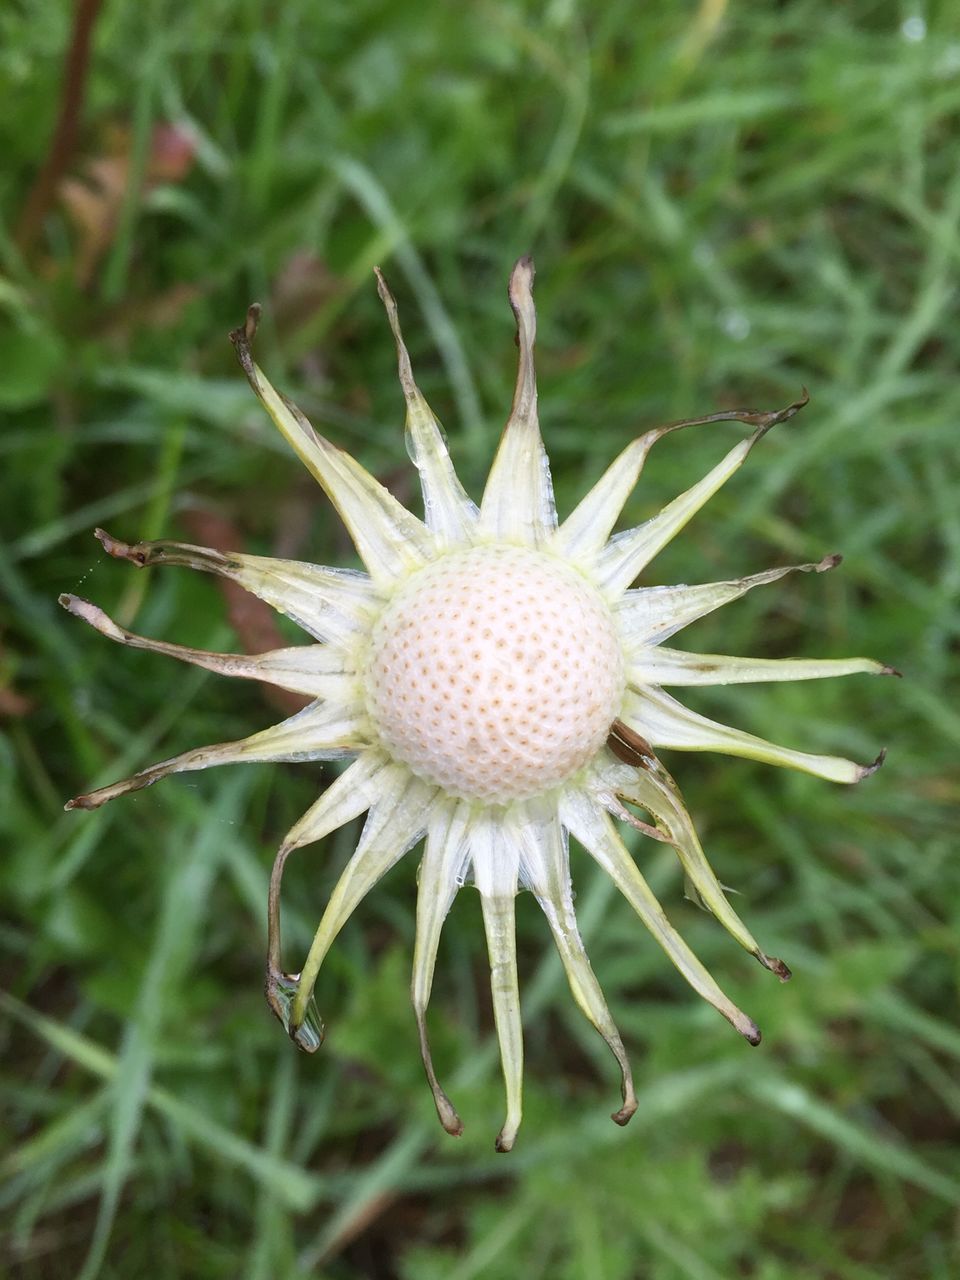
x,y
499,685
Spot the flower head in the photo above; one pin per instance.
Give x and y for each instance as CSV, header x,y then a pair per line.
x,y
499,686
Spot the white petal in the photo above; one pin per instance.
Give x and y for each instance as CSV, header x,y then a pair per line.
x,y
360,786
349,795
652,788
314,669
332,605
443,870
664,722
448,511
588,526
628,553
588,822
318,732
495,856
518,501
648,615
660,665
545,869
389,540
396,821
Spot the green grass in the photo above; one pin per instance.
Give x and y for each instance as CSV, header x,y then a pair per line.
x,y
725,202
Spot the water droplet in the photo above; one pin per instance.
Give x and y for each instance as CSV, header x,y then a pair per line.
x,y
913,29
735,324
281,992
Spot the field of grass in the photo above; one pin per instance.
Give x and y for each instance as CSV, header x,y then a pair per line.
x,y
725,202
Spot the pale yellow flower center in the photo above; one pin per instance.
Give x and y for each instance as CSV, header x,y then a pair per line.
x,y
495,672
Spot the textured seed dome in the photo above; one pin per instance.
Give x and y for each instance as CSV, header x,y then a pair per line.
x,y
495,673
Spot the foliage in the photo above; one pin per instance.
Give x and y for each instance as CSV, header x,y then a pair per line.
x,y
724,202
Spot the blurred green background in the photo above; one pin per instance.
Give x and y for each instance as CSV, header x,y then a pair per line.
x,y
725,201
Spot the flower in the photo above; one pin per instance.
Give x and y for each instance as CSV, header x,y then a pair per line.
x,y
498,685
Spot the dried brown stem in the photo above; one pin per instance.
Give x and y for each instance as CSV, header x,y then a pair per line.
x,y
64,141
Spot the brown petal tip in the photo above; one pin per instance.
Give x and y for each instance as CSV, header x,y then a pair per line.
x,y
120,550
81,802
749,1030
867,769
775,965
829,562
624,1115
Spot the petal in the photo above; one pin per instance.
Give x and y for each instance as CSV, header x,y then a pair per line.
x,y
443,870
586,529
354,791
360,785
648,615
674,667
518,501
448,511
389,540
318,732
545,869
652,788
395,823
496,859
587,821
330,604
631,551
664,722
313,669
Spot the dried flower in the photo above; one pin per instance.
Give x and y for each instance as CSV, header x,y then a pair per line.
x,y
499,687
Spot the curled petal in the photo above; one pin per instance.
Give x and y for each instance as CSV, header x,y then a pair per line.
x,y
332,605
448,511
389,540
587,821
545,869
648,615
394,824
313,669
652,788
584,532
628,553
518,501
667,723
318,732
351,794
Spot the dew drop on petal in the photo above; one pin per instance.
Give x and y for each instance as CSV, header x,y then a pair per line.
x,y
309,1035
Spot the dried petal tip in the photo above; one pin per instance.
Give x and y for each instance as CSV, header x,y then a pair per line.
x,y
828,562
446,1111
750,1032
765,419
625,1114
891,671
505,1140
81,802
775,965
866,770
93,616
251,323
120,550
